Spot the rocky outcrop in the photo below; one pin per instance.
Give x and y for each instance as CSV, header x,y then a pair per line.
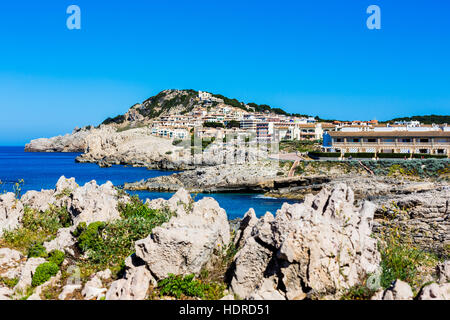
x,y
68,290
95,289
64,241
321,246
135,283
10,263
435,291
399,290
44,199
39,200
262,176
179,203
137,147
186,242
425,217
92,203
181,246
443,271
74,142
89,203
5,294
11,211
245,228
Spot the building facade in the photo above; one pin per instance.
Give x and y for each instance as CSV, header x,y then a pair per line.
x,y
419,142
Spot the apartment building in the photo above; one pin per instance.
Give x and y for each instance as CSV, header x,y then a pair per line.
x,y
264,131
436,141
170,132
295,131
249,123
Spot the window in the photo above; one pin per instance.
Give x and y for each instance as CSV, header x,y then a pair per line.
x,y
355,140
424,140
372,140
406,140
338,140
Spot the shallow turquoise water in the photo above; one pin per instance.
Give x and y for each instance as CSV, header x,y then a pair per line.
x,y
42,171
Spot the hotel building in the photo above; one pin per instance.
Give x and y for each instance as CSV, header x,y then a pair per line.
x,y
434,141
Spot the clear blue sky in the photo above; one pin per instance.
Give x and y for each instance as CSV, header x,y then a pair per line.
x,y
315,57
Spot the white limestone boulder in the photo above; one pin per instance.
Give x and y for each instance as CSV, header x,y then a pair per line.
x,y
184,244
11,212
64,241
92,203
400,290
134,285
435,291
322,246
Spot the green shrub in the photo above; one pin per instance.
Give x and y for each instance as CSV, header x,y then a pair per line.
x,y
43,273
382,155
359,292
10,283
37,250
324,154
108,244
428,156
178,286
176,142
56,256
136,208
401,259
89,237
360,155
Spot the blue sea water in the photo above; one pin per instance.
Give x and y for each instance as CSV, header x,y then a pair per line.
x,y
42,171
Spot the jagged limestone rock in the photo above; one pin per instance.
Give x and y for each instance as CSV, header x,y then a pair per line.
x,y
92,203
443,272
134,285
64,241
186,242
321,246
245,228
11,212
400,290
435,291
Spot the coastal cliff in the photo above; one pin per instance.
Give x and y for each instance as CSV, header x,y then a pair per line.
x,y
74,142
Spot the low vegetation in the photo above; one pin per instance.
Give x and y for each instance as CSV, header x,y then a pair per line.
x,y
10,283
402,259
106,245
37,228
56,256
300,145
359,292
181,287
43,273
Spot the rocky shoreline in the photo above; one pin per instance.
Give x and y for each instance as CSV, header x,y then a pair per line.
x,y
261,177
322,248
